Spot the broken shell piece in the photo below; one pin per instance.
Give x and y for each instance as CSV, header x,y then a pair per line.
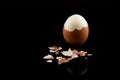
x,y
89,54
48,57
74,56
49,61
69,58
62,60
52,51
57,52
82,53
67,53
75,51
60,48
59,57
55,47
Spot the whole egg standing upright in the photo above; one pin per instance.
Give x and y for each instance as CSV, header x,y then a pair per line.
x,y
75,30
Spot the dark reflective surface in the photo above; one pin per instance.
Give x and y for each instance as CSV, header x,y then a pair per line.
x,y
28,31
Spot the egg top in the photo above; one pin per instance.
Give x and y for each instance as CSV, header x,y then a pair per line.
x,y
75,22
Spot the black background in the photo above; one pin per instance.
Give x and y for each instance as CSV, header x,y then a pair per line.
x,y
28,31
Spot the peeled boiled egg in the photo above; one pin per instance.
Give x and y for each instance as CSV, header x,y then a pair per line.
x,y
75,30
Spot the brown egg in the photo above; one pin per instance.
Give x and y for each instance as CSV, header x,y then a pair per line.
x,y
75,30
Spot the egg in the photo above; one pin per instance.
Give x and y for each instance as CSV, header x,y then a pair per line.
x,y
75,30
